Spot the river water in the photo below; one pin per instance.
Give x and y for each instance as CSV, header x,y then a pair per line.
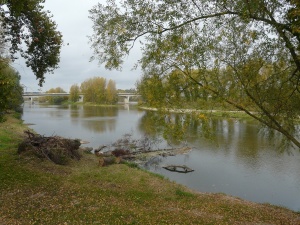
x,y
238,160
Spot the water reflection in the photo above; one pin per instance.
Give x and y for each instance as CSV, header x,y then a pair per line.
x,y
93,118
98,125
232,156
216,134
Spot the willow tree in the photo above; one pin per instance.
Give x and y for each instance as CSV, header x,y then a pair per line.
x,y
30,30
252,47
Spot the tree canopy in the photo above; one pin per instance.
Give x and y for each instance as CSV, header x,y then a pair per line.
x,y
240,49
74,93
26,24
97,90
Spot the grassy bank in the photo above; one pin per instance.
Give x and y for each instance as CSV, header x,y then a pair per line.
x,y
35,191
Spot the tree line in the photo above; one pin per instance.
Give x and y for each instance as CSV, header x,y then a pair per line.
x,y
95,90
175,90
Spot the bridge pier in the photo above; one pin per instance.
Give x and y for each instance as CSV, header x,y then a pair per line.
x,y
126,100
31,100
80,98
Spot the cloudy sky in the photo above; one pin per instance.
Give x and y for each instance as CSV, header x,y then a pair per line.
x,y
72,19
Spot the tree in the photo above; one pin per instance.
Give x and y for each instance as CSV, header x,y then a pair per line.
x,y
74,93
24,21
239,47
152,91
10,89
111,92
94,90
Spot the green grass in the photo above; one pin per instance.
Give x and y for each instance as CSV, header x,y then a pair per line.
x,y
35,191
132,164
182,193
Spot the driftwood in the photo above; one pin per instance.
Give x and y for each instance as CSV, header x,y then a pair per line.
x,y
57,149
178,169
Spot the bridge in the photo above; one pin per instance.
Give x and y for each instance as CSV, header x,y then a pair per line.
x,y
32,95
127,96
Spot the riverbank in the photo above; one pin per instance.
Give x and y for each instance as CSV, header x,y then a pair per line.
x,y
211,113
35,191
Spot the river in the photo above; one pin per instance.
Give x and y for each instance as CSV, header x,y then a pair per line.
x,y
238,160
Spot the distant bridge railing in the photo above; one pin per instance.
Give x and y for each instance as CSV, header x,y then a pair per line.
x,y
42,94
32,95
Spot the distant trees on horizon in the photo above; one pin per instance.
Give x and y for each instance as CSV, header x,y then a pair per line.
x,y
96,90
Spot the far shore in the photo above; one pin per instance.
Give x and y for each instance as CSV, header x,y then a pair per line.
x,y
212,112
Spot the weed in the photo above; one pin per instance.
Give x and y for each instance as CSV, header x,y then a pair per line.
x,y
132,164
182,193
157,175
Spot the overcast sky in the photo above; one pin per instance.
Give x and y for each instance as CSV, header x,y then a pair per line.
x,y
72,19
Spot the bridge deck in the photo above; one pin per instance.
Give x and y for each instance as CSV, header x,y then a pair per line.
x,y
37,94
